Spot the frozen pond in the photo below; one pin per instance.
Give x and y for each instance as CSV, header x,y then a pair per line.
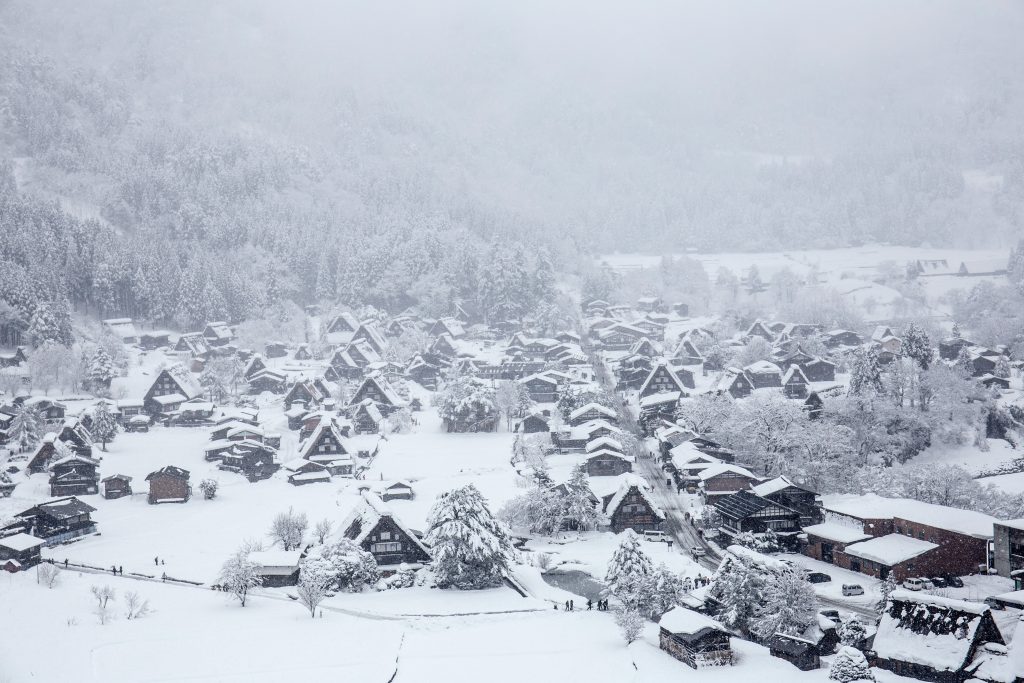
x,y
577,582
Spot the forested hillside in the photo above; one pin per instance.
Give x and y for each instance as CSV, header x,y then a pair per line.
x,y
218,156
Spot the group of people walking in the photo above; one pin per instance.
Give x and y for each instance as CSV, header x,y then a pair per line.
x,y
570,605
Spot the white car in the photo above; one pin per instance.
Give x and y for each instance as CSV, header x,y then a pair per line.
x,y
852,589
913,584
656,536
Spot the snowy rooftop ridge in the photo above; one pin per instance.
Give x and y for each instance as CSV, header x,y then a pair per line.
x,y
873,506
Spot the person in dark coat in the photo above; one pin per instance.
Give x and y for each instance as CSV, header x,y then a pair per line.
x,y
590,604
566,605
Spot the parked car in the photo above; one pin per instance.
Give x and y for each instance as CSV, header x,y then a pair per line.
x,y
818,577
137,423
953,581
697,552
852,589
926,584
655,536
913,584
938,582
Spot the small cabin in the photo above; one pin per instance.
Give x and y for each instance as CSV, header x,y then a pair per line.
x,y
695,639
116,486
20,551
169,485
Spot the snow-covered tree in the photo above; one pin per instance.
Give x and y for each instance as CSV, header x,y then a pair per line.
x,y
467,405
289,528
866,371
885,589
104,425
538,511
209,488
322,530
737,586
104,596
964,364
705,413
471,549
628,570
512,400
101,370
852,632
50,322
758,348
849,665
347,566
788,604
239,575
136,606
579,511
1002,368
662,590
630,623
26,428
314,585
917,345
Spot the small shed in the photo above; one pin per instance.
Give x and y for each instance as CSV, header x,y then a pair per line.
x,y
694,639
801,653
169,485
20,551
277,567
116,486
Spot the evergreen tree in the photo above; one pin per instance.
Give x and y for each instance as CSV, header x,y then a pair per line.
x,y
866,372
104,426
917,345
49,323
885,589
101,370
662,590
964,364
628,570
738,587
471,549
788,604
850,665
1002,368
26,428
579,510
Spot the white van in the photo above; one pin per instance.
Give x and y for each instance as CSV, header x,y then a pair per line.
x,y
656,536
913,584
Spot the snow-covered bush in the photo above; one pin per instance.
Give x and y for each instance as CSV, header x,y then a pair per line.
x,y
630,623
850,665
347,566
209,488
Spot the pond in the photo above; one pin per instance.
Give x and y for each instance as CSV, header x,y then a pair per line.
x,y
577,582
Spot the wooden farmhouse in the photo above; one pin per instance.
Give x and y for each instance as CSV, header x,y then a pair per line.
x,y
74,475
631,507
169,485
172,387
695,639
374,528
58,521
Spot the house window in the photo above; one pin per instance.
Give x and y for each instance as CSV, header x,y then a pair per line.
x,y
386,547
385,535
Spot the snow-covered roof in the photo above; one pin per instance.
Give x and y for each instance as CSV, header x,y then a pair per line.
x,y
628,482
604,442
169,399
660,397
890,549
906,638
609,453
763,367
873,506
276,559
369,512
20,542
723,468
772,486
836,532
604,410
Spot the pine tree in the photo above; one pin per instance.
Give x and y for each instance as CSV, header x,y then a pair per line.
x,y
850,665
471,548
26,428
662,590
1002,368
45,325
788,604
866,372
101,370
579,509
628,570
917,345
104,426
964,364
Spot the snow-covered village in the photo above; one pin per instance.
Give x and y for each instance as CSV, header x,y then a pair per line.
x,y
442,342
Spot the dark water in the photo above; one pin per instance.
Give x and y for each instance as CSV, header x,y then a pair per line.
x,y
577,582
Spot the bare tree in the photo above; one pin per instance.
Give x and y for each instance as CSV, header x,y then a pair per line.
x,y
630,622
137,606
314,584
322,530
103,597
47,575
289,528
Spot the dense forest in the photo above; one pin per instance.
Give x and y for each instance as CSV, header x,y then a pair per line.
x,y
210,158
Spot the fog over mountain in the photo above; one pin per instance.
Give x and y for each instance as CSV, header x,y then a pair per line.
x,y
678,124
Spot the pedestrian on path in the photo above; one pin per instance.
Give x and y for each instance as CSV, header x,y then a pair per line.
x,y
590,604
572,606
156,561
65,563
120,570
556,606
